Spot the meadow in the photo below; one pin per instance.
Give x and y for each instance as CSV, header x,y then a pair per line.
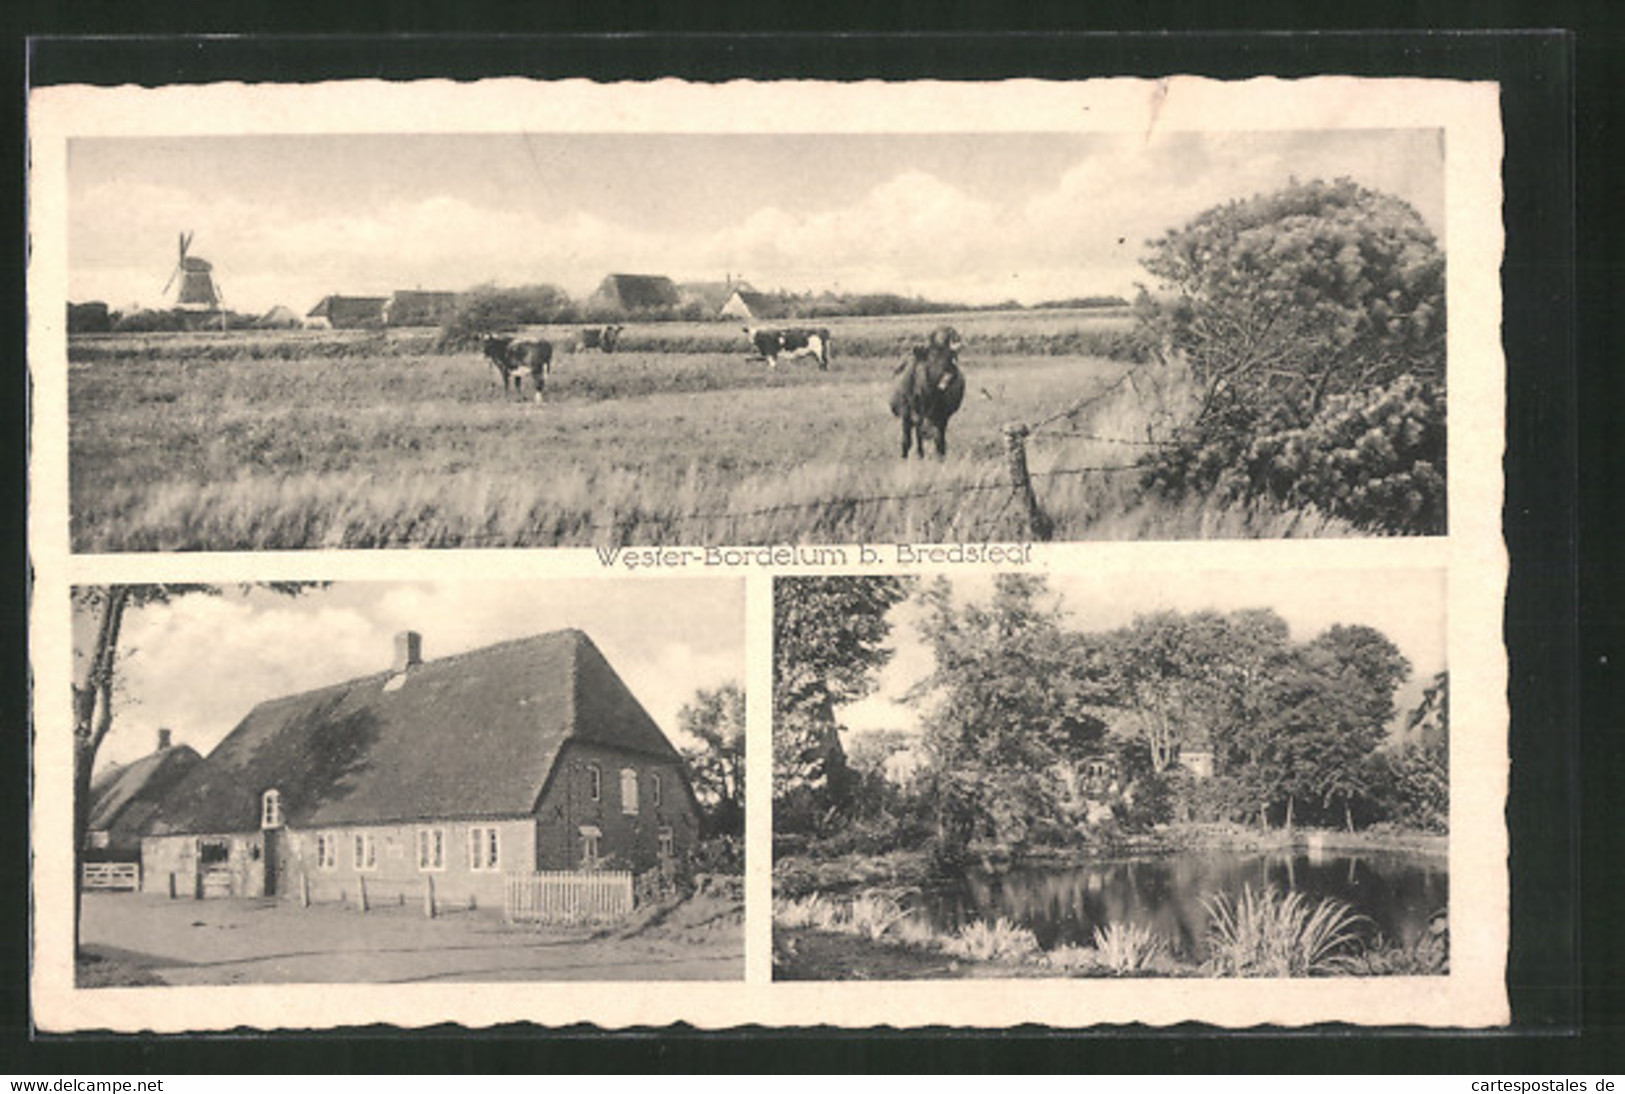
x,y
270,440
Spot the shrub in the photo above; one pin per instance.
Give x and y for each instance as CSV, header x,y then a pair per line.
x,y
1072,958
873,914
488,309
1429,955
1271,934
1312,321
1126,947
1375,458
813,912
1000,940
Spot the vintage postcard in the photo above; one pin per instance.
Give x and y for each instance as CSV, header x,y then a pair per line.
x,y
778,553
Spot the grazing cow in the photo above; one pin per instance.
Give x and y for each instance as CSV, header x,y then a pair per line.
x,y
600,338
513,360
928,390
790,342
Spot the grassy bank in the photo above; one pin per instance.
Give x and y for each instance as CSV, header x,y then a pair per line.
x,y
1256,933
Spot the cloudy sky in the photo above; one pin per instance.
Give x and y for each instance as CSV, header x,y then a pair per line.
x,y
976,218
200,663
1405,605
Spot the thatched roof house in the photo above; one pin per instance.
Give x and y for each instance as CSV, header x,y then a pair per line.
x,y
123,799
527,755
348,312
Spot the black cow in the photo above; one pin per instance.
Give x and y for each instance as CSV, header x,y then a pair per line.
x,y
771,344
513,360
928,390
601,338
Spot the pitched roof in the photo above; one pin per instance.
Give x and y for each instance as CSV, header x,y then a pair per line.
x,y
124,798
348,309
475,734
763,305
710,294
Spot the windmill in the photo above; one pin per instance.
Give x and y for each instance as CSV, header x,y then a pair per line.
x,y
198,292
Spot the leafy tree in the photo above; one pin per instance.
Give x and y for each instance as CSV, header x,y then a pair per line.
x,y
716,716
1166,672
1412,780
1290,309
829,638
1011,698
1331,710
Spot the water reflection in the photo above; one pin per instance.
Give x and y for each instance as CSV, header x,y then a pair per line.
x,y
1064,905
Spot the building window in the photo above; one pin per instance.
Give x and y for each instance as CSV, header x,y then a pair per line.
x,y
654,790
668,844
629,791
327,851
589,846
595,783
271,809
431,848
365,851
482,848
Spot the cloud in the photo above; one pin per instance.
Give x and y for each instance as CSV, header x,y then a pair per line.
x,y
908,231
198,664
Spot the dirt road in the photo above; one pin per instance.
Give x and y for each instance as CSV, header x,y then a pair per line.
x,y
266,941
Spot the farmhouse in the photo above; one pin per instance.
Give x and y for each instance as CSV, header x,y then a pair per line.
x,y
528,755
124,798
745,304
628,294
340,312
709,297
417,308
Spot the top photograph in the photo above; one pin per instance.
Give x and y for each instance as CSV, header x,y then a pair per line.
x,y
317,340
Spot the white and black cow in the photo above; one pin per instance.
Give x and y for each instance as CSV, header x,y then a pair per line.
x,y
771,344
513,360
600,338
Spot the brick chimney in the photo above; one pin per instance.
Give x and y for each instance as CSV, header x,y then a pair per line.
x,y
408,650
163,739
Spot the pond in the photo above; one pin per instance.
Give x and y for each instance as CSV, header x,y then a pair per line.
x,y
1063,905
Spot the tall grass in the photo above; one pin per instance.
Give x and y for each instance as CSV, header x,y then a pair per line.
x,y
1127,947
1271,934
1000,940
423,451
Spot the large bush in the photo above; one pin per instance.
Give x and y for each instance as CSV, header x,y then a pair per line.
x,y
489,309
1312,322
1376,458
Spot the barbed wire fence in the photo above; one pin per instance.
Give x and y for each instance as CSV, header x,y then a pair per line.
x,y
1017,483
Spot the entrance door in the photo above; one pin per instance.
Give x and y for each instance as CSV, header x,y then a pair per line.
x,y
272,860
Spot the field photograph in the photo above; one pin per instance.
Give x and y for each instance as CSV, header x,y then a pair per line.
x,y
428,341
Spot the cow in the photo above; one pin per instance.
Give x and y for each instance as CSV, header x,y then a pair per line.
x,y
513,360
771,344
600,338
928,389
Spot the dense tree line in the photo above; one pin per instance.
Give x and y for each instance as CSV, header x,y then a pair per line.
x,y
1035,732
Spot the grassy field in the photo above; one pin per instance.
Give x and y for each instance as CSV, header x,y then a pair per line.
x,y
354,439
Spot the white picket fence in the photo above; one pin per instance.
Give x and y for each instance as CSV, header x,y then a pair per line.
x,y
112,875
563,896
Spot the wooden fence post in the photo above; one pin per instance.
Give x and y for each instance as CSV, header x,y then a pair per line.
x,y
304,890
1015,450
361,892
428,896
172,885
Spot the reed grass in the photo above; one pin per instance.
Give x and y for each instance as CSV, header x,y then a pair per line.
x,y
1268,933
